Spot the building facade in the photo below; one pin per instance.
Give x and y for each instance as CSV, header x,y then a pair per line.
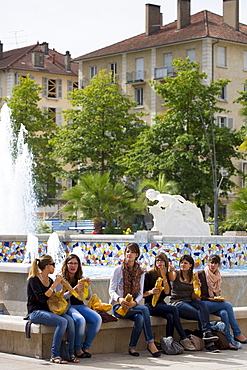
x,y
217,43
55,72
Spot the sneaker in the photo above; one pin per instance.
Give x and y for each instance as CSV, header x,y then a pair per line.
x,y
212,349
209,336
186,343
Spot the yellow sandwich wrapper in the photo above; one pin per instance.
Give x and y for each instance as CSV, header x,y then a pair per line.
x,y
96,304
123,310
158,284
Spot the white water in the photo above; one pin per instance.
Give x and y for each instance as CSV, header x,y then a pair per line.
x,y
17,199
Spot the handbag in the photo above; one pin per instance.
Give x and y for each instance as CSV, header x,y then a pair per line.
x,y
221,343
170,347
57,303
197,342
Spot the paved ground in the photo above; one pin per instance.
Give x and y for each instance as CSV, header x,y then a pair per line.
x,y
226,360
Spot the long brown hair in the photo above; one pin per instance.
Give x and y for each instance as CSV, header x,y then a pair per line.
x,y
189,259
65,272
133,247
39,264
155,270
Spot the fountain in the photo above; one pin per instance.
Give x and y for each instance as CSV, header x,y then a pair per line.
x,y
17,199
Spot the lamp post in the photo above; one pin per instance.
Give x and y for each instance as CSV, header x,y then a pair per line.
x,y
212,155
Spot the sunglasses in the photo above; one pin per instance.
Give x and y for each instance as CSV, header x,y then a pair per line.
x,y
51,264
72,263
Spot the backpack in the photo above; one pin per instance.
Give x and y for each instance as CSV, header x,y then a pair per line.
x,y
196,341
170,347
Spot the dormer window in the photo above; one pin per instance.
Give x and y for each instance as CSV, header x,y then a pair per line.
x,y
38,59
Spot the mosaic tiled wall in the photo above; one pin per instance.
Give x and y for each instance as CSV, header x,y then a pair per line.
x,y
232,255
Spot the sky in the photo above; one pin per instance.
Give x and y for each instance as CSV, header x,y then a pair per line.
x,y
83,26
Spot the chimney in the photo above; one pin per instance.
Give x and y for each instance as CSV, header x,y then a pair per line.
x,y
45,48
183,13
67,61
231,13
1,50
153,19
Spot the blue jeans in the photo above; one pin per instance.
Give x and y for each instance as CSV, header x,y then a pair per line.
x,y
225,311
81,314
195,310
141,317
63,323
171,314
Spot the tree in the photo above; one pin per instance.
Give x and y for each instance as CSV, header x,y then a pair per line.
x,y
237,220
40,129
97,197
99,129
176,145
242,99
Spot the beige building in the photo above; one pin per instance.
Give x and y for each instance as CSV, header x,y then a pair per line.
x,y
49,68
55,72
217,43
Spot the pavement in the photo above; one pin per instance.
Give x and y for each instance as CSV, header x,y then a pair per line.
x,y
226,360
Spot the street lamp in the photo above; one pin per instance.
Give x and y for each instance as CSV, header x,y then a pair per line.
x,y
212,155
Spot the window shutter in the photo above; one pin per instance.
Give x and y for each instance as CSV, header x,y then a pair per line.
x,y
59,91
45,113
245,61
32,78
69,88
44,84
230,123
59,117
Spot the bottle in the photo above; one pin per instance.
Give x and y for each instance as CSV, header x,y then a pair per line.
x,y
196,285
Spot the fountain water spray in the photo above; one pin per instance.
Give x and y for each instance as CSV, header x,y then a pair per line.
x,y
17,199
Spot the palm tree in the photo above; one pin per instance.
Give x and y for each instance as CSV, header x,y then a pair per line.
x,y
238,218
99,199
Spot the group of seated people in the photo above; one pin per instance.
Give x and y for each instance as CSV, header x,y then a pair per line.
x,y
130,280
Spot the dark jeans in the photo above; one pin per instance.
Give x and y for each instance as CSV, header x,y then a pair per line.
x,y
171,314
141,317
195,310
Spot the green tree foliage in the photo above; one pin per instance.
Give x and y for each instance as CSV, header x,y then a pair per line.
x,y
242,99
99,129
176,145
97,198
238,217
40,129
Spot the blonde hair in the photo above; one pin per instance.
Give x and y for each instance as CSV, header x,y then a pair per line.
x,y
39,264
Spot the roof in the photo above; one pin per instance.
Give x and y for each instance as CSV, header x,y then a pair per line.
x,y
21,59
203,24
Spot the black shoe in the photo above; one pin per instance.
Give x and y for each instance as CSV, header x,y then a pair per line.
x,y
154,354
209,336
241,341
213,349
135,354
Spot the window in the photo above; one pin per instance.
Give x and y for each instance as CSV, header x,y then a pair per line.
x,y
191,53
139,96
71,86
93,71
52,88
222,96
55,114
224,121
168,63
113,68
18,77
139,69
245,60
221,61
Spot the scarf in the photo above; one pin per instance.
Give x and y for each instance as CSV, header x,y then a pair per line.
x,y
213,282
131,279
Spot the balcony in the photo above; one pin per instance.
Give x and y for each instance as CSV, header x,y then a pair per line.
x,y
160,73
135,76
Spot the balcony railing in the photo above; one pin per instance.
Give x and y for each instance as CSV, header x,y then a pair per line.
x,y
135,76
160,73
